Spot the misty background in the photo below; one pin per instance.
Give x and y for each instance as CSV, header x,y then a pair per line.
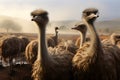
x,y
15,15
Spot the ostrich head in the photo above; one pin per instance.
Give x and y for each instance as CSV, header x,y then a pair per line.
x,y
56,29
90,14
80,27
40,16
115,38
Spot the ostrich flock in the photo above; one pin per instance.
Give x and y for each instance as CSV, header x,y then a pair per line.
x,y
50,58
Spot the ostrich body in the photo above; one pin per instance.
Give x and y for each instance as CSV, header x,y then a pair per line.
x,y
31,51
82,29
53,41
69,46
96,61
50,42
49,66
78,41
24,41
11,47
114,39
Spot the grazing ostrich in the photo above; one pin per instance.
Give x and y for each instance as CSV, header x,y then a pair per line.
x,y
49,66
31,51
95,62
10,48
82,29
53,41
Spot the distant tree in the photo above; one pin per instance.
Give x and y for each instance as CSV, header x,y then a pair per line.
x,y
10,25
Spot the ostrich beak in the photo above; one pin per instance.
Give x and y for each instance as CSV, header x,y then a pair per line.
x,y
34,18
94,15
74,28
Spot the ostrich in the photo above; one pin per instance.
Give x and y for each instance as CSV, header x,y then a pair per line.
x,y
96,61
10,48
82,29
56,36
24,42
114,38
49,66
53,41
69,44
31,51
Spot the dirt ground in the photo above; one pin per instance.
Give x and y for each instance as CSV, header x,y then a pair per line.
x,y
20,72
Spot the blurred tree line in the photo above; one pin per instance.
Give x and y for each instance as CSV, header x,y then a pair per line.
x,y
10,25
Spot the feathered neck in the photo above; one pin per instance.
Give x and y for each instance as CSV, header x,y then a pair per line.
x,y
82,37
56,37
95,44
42,47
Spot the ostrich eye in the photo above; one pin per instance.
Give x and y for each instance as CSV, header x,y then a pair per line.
x,y
88,13
34,16
95,12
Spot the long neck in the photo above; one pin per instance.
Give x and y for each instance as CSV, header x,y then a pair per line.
x,y
42,48
56,37
82,37
95,44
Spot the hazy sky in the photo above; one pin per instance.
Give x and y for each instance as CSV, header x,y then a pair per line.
x,y
60,9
